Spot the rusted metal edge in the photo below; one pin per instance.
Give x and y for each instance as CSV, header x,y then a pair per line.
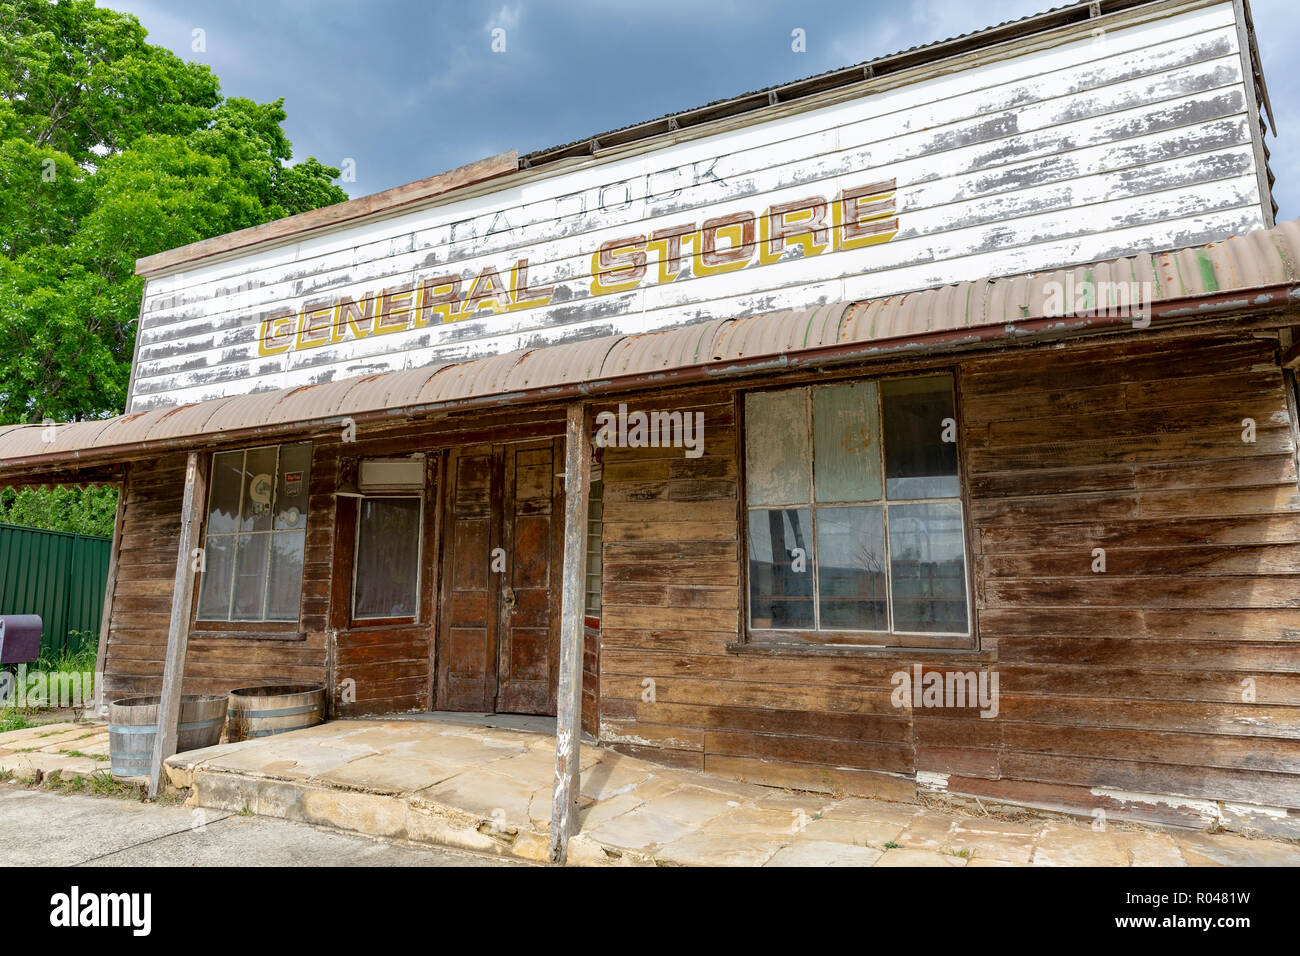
x,y
380,202
1168,313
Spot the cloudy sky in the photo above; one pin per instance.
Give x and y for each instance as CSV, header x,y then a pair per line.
x,y
409,89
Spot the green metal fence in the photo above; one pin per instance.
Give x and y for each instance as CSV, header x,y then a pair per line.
x,y
59,576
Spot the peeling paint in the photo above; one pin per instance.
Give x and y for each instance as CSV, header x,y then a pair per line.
x,y
1072,154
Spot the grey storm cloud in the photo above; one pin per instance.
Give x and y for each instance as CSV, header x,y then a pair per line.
x,y
408,89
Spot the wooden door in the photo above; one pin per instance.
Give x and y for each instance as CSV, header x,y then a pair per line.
x,y
498,642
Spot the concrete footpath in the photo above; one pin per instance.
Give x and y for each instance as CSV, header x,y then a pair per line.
x,y
456,782
40,828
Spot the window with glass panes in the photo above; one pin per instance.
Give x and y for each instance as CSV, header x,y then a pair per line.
x,y
255,534
387,570
855,530
595,524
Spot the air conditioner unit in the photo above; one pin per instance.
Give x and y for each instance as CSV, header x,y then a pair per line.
x,y
379,475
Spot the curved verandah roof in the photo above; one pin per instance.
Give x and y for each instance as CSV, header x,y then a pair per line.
x,y
1257,271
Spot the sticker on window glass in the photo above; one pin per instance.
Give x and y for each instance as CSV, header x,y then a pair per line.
x,y
293,483
259,491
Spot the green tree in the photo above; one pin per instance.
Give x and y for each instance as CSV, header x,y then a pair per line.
x,y
63,508
112,149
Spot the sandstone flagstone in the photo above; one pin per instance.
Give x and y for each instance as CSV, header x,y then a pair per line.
x,y
490,788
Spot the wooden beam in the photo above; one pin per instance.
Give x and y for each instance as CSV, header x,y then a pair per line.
x,y
280,230
568,714
1290,352
178,631
100,705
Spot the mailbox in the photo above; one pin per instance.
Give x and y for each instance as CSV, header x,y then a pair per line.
x,y
20,638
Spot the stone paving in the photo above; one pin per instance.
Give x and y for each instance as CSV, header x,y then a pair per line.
x,y
455,783
70,748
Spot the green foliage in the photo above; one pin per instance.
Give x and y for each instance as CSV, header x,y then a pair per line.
x,y
11,718
79,659
80,77
112,149
64,508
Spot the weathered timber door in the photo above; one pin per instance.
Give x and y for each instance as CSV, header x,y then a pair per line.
x,y
498,641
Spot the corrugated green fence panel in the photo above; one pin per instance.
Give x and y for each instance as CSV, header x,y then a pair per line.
x,y
59,576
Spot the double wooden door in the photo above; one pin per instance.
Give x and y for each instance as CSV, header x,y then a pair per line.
x,y
499,633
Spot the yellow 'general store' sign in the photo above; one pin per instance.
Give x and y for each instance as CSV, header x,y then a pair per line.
x,y
855,218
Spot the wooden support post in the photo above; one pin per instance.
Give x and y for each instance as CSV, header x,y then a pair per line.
x,y
178,632
99,707
568,716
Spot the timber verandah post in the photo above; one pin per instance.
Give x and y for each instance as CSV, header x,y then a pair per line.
x,y
568,712
178,631
99,706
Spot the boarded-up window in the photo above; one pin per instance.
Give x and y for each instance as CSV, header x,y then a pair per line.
x,y
387,567
256,534
855,523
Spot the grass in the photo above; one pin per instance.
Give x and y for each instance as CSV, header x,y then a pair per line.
x,y
101,783
105,784
77,659
79,753
11,718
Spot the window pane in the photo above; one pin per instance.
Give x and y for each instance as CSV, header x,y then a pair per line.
x,y
250,576
388,558
846,442
291,487
927,566
227,478
218,566
779,595
776,447
284,590
918,462
259,487
851,585
595,511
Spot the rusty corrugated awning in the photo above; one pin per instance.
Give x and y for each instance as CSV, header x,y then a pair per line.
x,y
1258,270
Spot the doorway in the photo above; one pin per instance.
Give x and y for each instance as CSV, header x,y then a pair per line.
x,y
498,633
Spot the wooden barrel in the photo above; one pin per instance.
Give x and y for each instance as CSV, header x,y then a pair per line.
x,y
133,725
274,709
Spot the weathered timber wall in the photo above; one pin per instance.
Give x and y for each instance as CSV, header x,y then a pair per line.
x,y
1129,680
388,666
1132,679
142,599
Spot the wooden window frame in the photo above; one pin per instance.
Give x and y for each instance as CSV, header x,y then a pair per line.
x,y
854,641
208,629
361,623
594,614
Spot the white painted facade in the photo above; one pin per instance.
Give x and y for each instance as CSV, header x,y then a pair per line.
x,y
1036,157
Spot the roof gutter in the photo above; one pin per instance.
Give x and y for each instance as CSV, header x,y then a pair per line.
x,y
1168,313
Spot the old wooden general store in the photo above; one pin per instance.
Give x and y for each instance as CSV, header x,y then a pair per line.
x,y
946,360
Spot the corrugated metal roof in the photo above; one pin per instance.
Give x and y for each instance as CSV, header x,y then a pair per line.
x,y
1184,280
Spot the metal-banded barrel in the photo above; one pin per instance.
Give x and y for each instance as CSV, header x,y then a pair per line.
x,y
274,709
133,725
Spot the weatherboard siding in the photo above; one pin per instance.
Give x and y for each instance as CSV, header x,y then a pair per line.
x,y
1113,683
1098,147
1128,681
